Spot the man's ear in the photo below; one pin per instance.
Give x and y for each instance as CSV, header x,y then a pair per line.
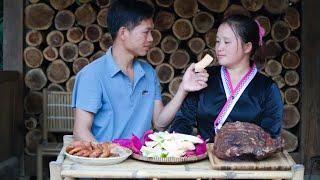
x,y
248,47
122,33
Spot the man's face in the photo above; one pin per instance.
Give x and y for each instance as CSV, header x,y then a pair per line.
x,y
139,39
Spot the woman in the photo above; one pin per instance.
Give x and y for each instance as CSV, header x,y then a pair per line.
x,y
236,91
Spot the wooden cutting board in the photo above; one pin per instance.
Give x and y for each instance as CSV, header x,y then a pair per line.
x,y
279,161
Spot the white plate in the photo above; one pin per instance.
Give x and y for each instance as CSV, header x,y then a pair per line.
x,y
124,153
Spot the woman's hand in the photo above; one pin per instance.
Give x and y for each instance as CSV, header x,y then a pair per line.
x,y
193,81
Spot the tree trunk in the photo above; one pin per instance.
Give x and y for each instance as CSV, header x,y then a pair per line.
x,y
290,60
291,116
290,139
264,21
86,48
34,38
185,8
55,87
32,57
61,4
79,63
235,9
50,53
182,29
210,38
165,72
174,85
93,33
166,98
70,83
103,3
203,22
69,52
169,44
30,123
292,44
179,59
85,15
280,31
38,16
217,6
252,5
33,138
156,35
276,6
96,55
196,45
164,3
35,79
33,102
279,80
292,17
273,68
291,95
164,20
273,49
102,17
155,56
58,71
291,78
64,20
106,41
55,38
75,34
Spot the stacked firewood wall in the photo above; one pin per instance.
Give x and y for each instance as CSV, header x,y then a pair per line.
x,y
63,36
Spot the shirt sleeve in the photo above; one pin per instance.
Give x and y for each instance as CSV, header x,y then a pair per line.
x,y
185,118
272,115
87,92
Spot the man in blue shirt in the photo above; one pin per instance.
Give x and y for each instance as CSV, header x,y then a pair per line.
x,y
118,94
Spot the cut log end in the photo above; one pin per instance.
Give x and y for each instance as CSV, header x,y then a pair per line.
x,y
50,53
55,38
276,7
79,63
279,81
265,23
174,85
102,17
291,78
290,139
31,123
103,3
273,49
85,15
252,5
235,9
64,20
291,116
69,52
156,35
155,56
86,48
292,44
169,44
164,3
215,6
290,60
70,83
273,68
93,33
182,29
33,102
34,38
61,4
35,79
291,95
75,35
106,41
196,45
38,16
164,20
185,8
292,17
203,22
58,71
165,72
32,57
179,59
55,87
280,31
210,38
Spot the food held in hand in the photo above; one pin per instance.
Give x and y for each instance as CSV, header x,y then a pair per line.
x,y
205,61
91,149
242,141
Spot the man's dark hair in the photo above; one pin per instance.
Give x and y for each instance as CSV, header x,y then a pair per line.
x,y
127,13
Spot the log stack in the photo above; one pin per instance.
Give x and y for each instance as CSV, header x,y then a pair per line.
x,y
64,36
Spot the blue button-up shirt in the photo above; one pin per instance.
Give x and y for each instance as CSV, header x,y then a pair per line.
x,y
120,106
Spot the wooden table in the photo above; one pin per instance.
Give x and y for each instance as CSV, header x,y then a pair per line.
x,y
64,168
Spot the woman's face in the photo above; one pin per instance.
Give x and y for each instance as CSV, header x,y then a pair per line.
x,y
229,47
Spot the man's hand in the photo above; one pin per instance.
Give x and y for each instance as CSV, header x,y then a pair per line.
x,y
193,81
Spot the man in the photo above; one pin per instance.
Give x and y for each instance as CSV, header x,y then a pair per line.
x,y
117,94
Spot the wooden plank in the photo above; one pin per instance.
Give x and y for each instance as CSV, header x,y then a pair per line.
x,y
280,161
310,73
13,35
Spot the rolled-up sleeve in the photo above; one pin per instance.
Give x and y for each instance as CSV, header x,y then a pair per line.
x,y
87,92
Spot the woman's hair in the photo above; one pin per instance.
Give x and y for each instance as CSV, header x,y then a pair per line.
x,y
248,30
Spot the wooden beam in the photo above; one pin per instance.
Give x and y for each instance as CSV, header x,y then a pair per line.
x,y
13,35
310,73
